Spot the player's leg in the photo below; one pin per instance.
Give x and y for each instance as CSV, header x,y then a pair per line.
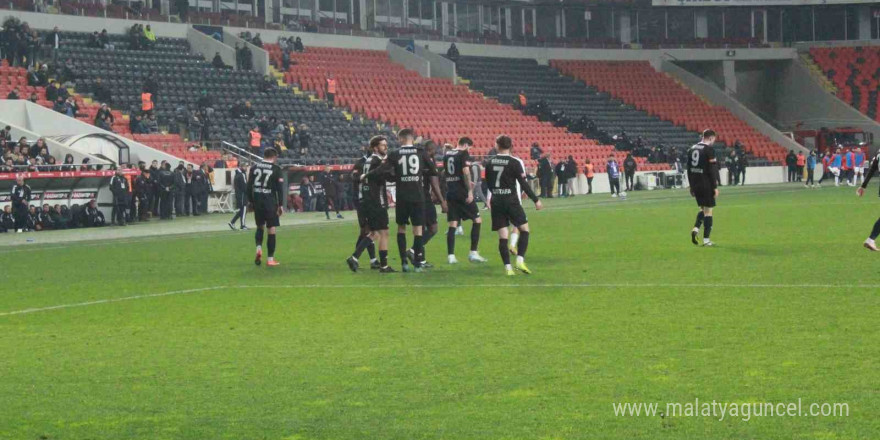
x,y
450,238
707,225
401,244
260,220
365,239
270,244
514,239
521,247
473,214
869,243
503,238
418,247
697,224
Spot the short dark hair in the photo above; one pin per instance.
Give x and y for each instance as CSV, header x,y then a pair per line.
x,y
503,142
464,140
270,153
707,133
376,140
405,132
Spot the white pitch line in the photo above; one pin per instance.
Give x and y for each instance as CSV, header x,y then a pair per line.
x,y
447,286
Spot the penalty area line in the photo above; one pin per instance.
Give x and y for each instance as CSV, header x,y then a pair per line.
x,y
444,286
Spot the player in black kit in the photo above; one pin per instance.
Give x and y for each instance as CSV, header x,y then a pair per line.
x,y
430,228
875,164
460,199
266,196
702,174
373,205
506,177
364,232
410,165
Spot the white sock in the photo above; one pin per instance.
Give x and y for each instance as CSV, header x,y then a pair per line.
x,y
373,260
473,253
705,240
271,258
836,180
519,259
259,248
508,267
514,237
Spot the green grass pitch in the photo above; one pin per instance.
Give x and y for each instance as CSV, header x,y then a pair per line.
x,y
621,308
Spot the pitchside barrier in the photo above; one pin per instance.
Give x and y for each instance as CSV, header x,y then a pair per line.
x,y
64,187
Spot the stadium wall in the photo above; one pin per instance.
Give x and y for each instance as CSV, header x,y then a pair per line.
x,y
260,56
802,102
207,46
716,96
408,59
441,67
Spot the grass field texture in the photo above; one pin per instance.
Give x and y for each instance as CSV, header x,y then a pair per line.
x,y
201,344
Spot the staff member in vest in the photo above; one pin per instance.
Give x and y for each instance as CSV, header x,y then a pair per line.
x,y
800,161
256,139
331,88
147,102
240,185
522,100
21,197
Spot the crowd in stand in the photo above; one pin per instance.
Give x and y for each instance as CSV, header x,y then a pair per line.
x,y
19,44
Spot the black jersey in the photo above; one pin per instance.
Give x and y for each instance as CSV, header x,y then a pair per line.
x,y
372,189
506,177
265,185
701,166
872,169
456,164
411,167
21,195
356,179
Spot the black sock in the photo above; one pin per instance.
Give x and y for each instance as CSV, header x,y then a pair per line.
x,y
401,246
418,250
707,226
427,236
450,241
259,236
371,249
383,258
505,252
365,241
876,231
523,244
475,236
358,241
270,243
699,221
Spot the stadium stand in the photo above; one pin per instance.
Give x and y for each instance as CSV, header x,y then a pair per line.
x,y
504,78
855,71
638,84
370,83
183,77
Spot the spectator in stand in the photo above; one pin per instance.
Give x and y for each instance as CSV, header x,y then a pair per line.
x,y
101,93
53,39
629,170
194,127
245,56
151,126
149,38
66,106
136,124
205,103
217,62
588,171
69,164
266,84
94,41
298,45
304,138
613,170
86,166
522,102
52,91
134,37
182,7
535,152
452,53
33,79
67,74
33,98
21,198
104,39
289,134
791,163
33,43
13,94
39,148
104,118
257,41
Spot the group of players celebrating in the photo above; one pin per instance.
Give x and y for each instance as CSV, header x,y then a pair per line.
x,y
416,177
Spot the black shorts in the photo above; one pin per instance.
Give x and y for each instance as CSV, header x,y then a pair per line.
x,y
507,212
460,210
266,215
430,213
704,195
375,216
410,213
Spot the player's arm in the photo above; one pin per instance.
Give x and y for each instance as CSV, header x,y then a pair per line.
x,y
713,172
249,192
278,189
431,172
875,164
466,175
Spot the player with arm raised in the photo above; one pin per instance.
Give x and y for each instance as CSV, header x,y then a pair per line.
x,y
460,199
875,164
702,173
266,196
506,177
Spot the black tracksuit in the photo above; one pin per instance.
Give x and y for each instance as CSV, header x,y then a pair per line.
x,y
240,184
21,198
119,188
